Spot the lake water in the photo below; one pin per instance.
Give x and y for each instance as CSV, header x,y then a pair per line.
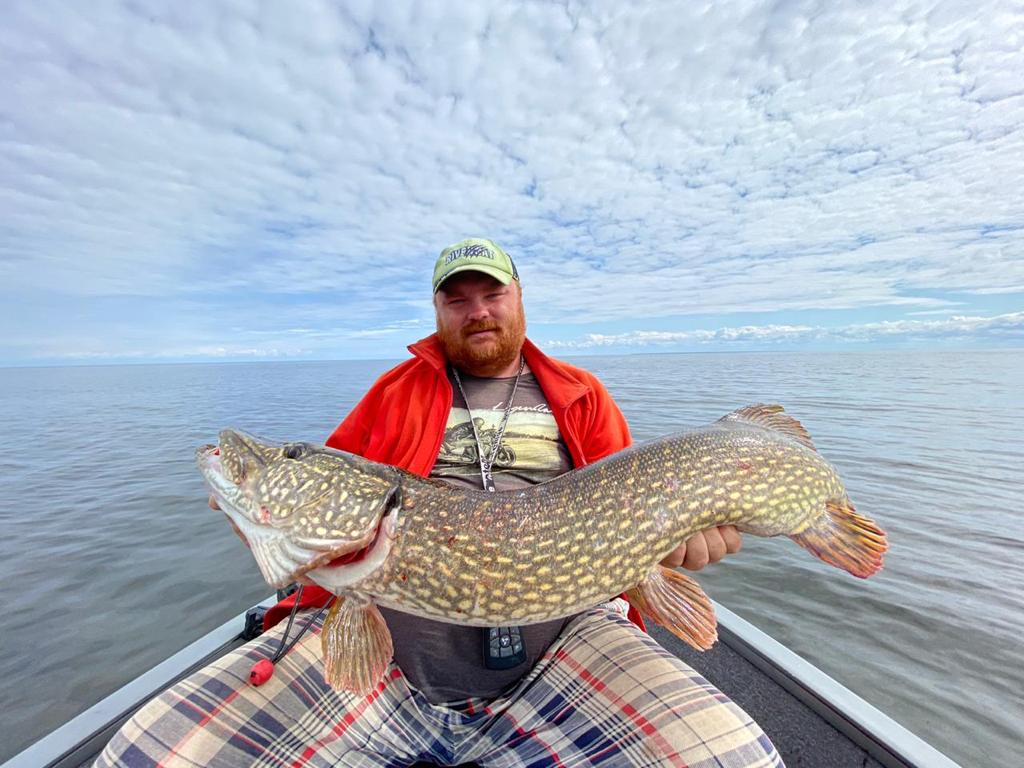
x,y
110,559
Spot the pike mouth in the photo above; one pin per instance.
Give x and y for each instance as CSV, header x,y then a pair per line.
x,y
281,558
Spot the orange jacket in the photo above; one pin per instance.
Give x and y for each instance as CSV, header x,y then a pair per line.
x,y
401,421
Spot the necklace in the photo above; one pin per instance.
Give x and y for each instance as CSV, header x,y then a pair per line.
x,y
486,463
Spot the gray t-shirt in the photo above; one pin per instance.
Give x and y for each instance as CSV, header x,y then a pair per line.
x,y
445,661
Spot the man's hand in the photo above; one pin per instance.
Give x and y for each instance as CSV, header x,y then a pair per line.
x,y
705,547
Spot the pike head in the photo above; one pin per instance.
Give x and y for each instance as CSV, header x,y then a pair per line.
x,y
302,507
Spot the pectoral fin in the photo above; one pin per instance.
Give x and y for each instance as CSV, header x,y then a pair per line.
x,y
357,645
845,539
676,602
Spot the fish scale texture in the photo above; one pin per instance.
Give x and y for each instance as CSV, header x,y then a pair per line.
x,y
556,548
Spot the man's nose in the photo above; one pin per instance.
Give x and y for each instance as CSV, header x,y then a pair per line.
x,y
477,310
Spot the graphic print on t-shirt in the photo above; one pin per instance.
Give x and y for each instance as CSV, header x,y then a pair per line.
x,y
531,449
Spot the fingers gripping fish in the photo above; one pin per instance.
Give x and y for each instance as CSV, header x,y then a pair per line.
x,y
374,534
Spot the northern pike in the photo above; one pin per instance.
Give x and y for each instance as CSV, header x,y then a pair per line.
x,y
375,534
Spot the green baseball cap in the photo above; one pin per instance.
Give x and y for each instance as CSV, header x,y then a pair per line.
x,y
477,254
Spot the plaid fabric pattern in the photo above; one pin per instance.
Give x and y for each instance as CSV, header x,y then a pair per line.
x,y
605,694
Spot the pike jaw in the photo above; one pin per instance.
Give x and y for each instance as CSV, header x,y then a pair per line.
x,y
302,507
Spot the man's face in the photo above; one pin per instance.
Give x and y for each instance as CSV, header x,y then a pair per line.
x,y
481,323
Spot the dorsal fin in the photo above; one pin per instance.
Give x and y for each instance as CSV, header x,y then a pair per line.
x,y
772,417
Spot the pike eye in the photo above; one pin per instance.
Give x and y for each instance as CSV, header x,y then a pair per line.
x,y
293,452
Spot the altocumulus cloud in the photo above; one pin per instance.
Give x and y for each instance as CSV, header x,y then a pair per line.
x,y
200,178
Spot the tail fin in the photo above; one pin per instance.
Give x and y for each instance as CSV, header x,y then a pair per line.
x,y
845,539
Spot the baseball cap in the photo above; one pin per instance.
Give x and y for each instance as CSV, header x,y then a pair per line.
x,y
477,254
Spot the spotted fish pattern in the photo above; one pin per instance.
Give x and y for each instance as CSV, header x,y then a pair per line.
x,y
535,554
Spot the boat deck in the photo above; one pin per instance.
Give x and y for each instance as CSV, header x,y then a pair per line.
x,y
802,736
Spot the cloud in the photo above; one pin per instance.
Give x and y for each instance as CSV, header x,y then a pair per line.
x,y
638,161
181,353
1007,327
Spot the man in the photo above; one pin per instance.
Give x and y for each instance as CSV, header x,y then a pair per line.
x,y
478,405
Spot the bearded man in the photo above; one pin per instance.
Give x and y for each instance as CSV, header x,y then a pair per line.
x,y
477,405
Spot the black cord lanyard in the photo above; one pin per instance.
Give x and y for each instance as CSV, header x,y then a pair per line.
x,y
487,464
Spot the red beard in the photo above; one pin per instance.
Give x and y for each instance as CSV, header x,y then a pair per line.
x,y
491,357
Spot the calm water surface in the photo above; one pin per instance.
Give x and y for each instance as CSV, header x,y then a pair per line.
x,y
110,560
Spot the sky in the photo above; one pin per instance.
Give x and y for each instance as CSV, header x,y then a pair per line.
x,y
220,181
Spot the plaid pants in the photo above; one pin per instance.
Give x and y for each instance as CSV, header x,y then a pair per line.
x,y
603,694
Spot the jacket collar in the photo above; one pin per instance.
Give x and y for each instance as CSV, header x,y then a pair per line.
x,y
429,351
559,385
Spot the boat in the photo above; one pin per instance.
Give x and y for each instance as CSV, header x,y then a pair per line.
x,y
812,719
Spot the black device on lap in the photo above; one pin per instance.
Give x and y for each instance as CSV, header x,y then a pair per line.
x,y
504,647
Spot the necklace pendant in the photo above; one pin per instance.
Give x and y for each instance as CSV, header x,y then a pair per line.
x,y
487,478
